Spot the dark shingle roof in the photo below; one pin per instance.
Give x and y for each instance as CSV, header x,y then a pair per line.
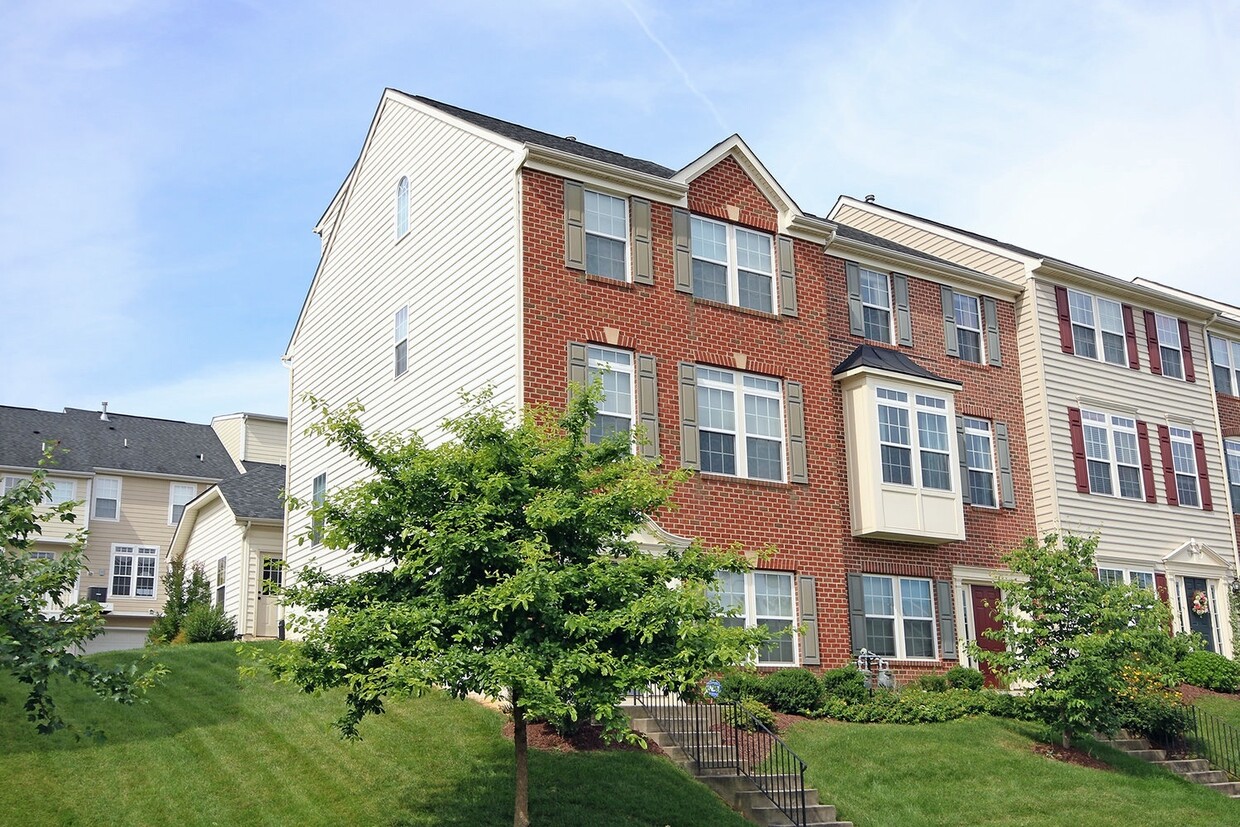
x,y
845,231
881,358
526,135
255,495
127,443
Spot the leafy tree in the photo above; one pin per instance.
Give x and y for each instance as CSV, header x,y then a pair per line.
x,y
181,597
507,571
1076,640
37,645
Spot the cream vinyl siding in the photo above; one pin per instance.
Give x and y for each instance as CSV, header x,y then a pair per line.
x,y
229,430
456,270
266,441
1037,416
215,535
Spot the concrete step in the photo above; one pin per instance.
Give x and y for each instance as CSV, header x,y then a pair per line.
x,y
757,798
1127,744
768,815
1228,788
1205,777
1179,766
1154,756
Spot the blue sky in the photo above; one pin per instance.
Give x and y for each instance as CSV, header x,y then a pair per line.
x,y
162,164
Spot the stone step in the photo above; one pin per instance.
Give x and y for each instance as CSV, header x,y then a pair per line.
x,y
768,815
1205,777
1228,788
759,798
1154,756
1179,766
1127,744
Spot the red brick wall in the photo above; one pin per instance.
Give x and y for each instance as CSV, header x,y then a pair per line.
x,y
808,524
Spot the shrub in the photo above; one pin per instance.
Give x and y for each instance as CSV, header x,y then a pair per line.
x,y
917,706
738,685
846,683
164,629
932,683
1210,670
747,713
792,691
1185,643
962,677
204,624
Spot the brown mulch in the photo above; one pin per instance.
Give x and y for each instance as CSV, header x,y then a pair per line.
x,y
1071,755
1191,693
587,739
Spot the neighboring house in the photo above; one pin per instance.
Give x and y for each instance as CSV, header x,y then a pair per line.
x,y
806,370
1122,414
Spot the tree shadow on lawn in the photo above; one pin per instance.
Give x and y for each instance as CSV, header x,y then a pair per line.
x,y
1118,761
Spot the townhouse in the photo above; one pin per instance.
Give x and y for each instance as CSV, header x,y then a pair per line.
x,y
804,369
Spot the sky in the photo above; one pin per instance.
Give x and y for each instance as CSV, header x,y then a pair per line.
x,y
163,164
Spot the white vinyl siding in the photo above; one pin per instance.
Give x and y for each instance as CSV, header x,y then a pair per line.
x,y
732,265
760,598
107,499
745,439
607,234
134,570
899,617
614,370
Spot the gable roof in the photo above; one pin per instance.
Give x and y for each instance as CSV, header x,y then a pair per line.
x,y
121,442
853,234
891,361
255,495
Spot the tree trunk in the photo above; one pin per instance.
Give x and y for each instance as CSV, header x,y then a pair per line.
x,y
1067,737
521,813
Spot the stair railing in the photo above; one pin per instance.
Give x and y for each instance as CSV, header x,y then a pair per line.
x,y
1205,736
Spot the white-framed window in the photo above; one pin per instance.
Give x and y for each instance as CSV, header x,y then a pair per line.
x,y
107,499
899,617
221,570
1184,459
732,265
318,495
402,207
1170,348
1112,455
875,304
907,453
614,369
969,337
41,555
1097,327
178,497
760,598
1225,356
133,570
62,491
740,424
12,482
607,235
980,460
400,337
1140,579
1232,450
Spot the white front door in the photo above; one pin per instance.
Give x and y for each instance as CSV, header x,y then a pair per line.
x,y
266,614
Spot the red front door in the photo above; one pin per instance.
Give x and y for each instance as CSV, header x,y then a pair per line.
x,y
984,599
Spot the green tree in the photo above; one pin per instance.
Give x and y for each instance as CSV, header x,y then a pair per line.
x,y
181,597
507,571
1082,645
40,635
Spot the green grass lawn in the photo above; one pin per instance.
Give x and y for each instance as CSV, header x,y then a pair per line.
x,y
983,771
212,747
1226,708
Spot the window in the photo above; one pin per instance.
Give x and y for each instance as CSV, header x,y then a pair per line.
x,y
1232,450
1170,349
1226,357
756,424
221,569
317,497
402,207
62,491
41,555
107,498
1097,327
180,495
614,368
899,616
876,305
1184,460
732,265
133,571
607,233
760,598
400,334
1112,456
273,573
979,458
1140,579
12,482
932,451
968,327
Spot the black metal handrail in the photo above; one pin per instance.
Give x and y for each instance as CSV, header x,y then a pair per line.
x,y
1205,736
705,732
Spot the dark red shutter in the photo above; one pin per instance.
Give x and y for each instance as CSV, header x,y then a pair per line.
x,y
1164,445
1160,589
1147,462
1065,320
1187,348
1078,450
1130,335
1203,474
1151,343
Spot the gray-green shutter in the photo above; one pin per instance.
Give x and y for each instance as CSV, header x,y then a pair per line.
x,y
1006,488
648,404
574,225
951,344
856,320
964,461
689,456
904,318
578,367
681,243
808,599
947,619
796,433
856,612
787,278
643,260
991,311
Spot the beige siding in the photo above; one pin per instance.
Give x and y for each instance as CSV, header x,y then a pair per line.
x,y
266,441
1037,423
229,430
215,535
456,270
261,541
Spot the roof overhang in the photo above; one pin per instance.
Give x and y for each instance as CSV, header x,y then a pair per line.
x,y
1157,299
939,270
189,517
1193,554
566,164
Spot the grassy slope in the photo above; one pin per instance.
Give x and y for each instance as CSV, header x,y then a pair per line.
x,y
211,747
1225,708
982,771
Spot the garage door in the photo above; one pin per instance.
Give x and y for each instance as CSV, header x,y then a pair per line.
x,y
112,639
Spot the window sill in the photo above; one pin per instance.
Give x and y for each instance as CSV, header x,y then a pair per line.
x,y
708,475
748,311
622,285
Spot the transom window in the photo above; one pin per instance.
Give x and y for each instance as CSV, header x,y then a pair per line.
x,y
979,457
899,616
107,500
968,327
607,233
614,369
1112,456
1170,348
875,304
760,598
1184,459
400,335
178,497
133,571
1097,327
1232,449
402,207
732,265
757,424
932,449
1225,356
1140,579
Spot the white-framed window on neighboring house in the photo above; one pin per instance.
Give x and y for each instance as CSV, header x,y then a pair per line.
x,y
107,499
318,495
133,570
41,555
899,616
760,598
1114,576
979,459
614,369
1184,460
1112,455
907,453
400,338
1225,357
1170,348
969,328
221,570
740,424
178,497
62,491
12,482
875,304
402,207
1232,450
607,235
1097,327
732,265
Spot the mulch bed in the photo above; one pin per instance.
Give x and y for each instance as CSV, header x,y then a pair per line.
x,y
588,738
1191,693
1071,755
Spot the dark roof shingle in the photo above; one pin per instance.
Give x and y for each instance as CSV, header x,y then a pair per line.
x,y
255,495
881,358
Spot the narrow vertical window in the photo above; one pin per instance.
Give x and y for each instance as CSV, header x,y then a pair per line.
x,y
1184,459
402,207
932,440
1220,355
894,437
178,497
614,369
1170,349
1232,447
221,570
968,327
876,305
317,498
400,336
1084,325
107,500
607,233
979,458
